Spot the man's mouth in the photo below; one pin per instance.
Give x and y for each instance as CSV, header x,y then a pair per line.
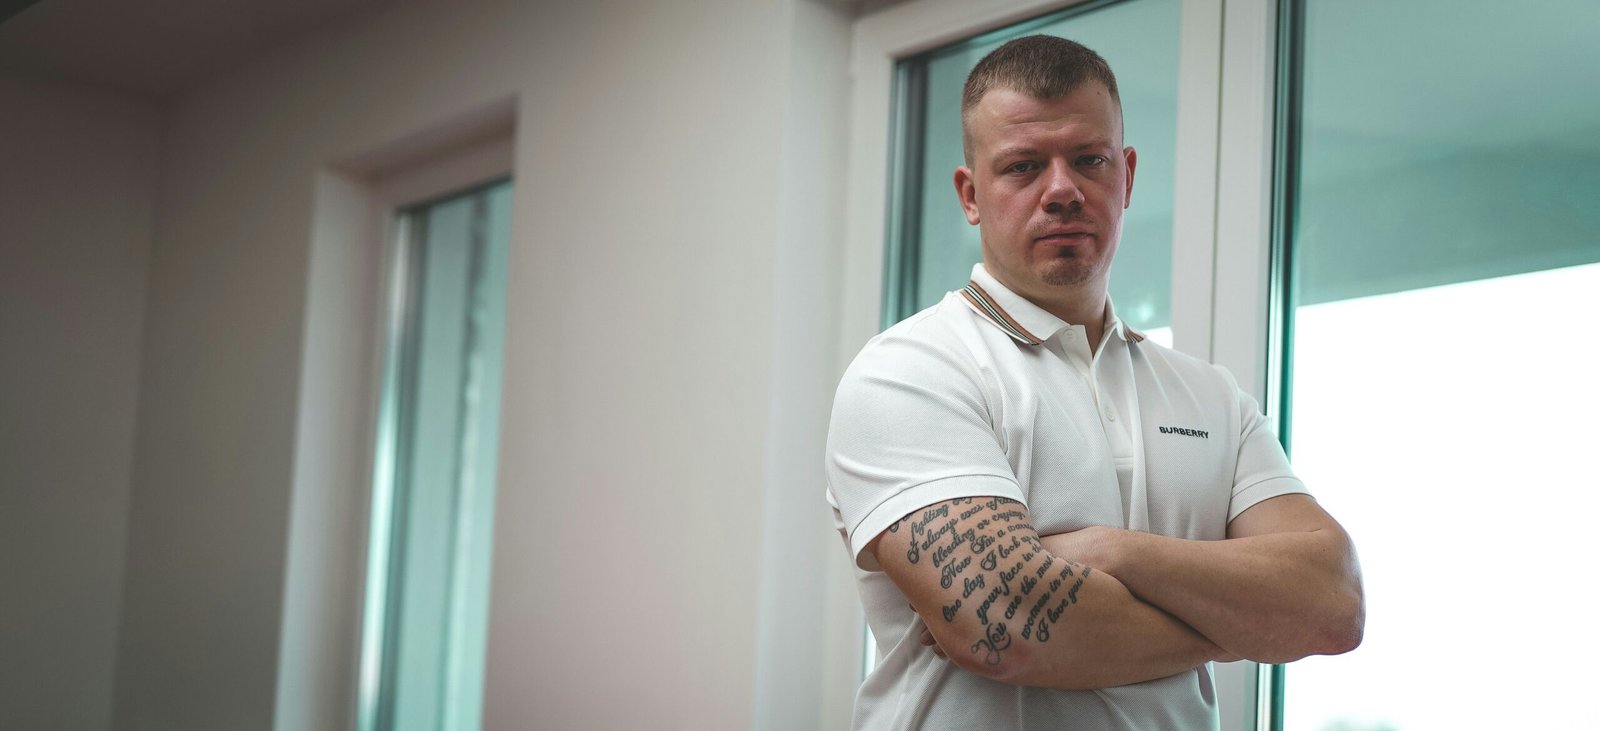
x,y
1062,232
1065,237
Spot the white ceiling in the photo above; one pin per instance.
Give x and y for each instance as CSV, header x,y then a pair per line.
x,y
157,48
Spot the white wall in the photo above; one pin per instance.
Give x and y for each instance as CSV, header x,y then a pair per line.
x,y
77,179
809,632
669,160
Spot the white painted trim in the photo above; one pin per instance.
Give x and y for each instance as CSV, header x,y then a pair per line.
x,y
1194,253
469,165
1244,192
911,28
808,622
1194,204
1263,697
319,638
1242,275
341,380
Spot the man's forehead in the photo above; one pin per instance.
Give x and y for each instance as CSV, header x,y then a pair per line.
x,y
1004,104
1088,110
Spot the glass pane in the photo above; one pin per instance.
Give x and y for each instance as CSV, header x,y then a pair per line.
x,y
1461,468
1445,241
1139,38
433,508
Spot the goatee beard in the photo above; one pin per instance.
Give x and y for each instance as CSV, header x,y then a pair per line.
x,y
1073,273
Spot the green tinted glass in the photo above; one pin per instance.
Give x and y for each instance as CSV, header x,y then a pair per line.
x,y
936,248
434,476
1443,235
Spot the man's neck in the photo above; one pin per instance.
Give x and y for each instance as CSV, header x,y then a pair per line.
x,y
1088,311
1083,305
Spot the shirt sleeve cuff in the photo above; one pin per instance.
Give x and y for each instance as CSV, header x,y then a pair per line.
x,y
1247,497
919,496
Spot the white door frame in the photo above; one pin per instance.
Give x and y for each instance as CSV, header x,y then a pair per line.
x,y
1222,203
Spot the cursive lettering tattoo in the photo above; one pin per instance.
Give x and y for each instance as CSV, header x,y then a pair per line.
x,y
995,640
1033,615
988,601
928,539
943,511
993,569
949,572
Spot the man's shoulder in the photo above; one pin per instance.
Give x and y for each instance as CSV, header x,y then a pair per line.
x,y
938,347
1156,351
935,322
1178,364
942,328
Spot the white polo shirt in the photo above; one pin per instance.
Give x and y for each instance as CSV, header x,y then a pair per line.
x,y
984,394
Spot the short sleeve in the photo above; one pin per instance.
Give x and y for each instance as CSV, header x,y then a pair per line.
x,y
1262,470
910,428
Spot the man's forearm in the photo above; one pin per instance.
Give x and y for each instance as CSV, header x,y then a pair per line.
x,y
1117,640
1270,598
1006,609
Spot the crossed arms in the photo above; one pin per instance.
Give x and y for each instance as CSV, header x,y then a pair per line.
x,y
1102,607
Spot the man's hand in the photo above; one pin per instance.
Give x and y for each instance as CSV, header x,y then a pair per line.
x,y
928,640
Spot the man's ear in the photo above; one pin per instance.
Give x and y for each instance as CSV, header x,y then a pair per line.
x,y
1132,160
968,193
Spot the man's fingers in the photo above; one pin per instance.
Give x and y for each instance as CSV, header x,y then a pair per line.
x,y
927,639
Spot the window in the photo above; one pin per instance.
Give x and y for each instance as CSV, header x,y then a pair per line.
x,y
933,248
1436,166
434,473
1443,242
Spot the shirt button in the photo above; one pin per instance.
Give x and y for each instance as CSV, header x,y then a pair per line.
x,y
1110,416
1067,334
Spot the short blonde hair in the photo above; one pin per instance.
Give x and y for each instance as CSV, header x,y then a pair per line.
x,y
1041,66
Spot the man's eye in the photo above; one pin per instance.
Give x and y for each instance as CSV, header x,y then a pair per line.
x,y
1022,167
1092,161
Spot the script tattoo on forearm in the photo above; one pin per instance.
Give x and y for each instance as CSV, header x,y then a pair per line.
x,y
1011,582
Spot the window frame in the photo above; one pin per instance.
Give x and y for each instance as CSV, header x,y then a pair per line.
x,y
1224,262
396,196
355,190
390,514
909,129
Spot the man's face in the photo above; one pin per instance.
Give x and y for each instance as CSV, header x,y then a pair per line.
x,y
1047,185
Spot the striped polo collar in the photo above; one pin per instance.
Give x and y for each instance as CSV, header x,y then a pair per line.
x,y
1024,321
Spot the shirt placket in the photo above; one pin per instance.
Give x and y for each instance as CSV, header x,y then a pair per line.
x,y
1116,401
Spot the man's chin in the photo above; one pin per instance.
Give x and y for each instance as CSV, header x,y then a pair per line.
x,y
1063,274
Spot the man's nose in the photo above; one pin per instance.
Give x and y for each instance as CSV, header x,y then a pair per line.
x,y
1061,188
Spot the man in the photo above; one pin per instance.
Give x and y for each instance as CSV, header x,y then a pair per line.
x,y
1059,524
